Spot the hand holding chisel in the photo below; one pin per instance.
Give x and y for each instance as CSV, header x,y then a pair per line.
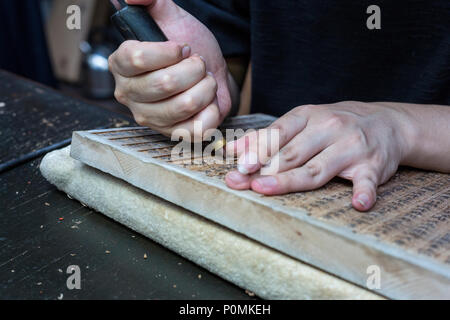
x,y
169,85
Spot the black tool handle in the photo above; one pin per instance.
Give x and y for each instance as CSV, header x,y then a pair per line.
x,y
134,23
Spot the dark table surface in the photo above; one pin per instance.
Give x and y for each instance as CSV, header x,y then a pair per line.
x,y
43,232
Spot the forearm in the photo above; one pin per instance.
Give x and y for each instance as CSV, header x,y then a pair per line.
x,y
427,136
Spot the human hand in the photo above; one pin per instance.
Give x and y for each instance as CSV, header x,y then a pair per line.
x,y
164,85
361,142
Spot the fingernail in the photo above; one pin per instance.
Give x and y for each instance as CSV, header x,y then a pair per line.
x,y
210,74
248,163
267,182
363,199
201,57
186,51
236,177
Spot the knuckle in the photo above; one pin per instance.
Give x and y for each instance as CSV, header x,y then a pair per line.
x,y
136,59
126,50
120,96
189,105
358,138
306,108
167,83
132,53
334,121
313,169
141,119
289,153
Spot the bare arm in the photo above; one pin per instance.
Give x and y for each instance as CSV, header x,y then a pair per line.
x,y
427,134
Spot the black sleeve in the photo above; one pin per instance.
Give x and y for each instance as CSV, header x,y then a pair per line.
x,y
228,20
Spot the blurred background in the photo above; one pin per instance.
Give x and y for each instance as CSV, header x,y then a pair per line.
x,y
35,43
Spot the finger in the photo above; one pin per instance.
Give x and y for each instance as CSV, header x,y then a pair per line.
x,y
241,145
140,2
135,58
287,126
267,142
365,184
177,109
162,11
167,82
298,151
238,181
195,127
314,174
248,158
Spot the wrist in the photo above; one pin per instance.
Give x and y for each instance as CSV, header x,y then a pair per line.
x,y
406,132
412,137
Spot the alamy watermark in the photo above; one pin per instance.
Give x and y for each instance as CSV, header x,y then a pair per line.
x,y
256,147
373,281
73,21
374,20
74,280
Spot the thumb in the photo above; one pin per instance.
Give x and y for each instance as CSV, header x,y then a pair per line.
x,y
140,2
364,190
160,10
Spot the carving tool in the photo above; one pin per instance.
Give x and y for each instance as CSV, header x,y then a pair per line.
x,y
134,23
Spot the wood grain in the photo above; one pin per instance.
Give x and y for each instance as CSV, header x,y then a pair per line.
x,y
406,234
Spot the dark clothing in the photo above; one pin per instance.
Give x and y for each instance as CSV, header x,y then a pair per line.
x,y
321,51
23,48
